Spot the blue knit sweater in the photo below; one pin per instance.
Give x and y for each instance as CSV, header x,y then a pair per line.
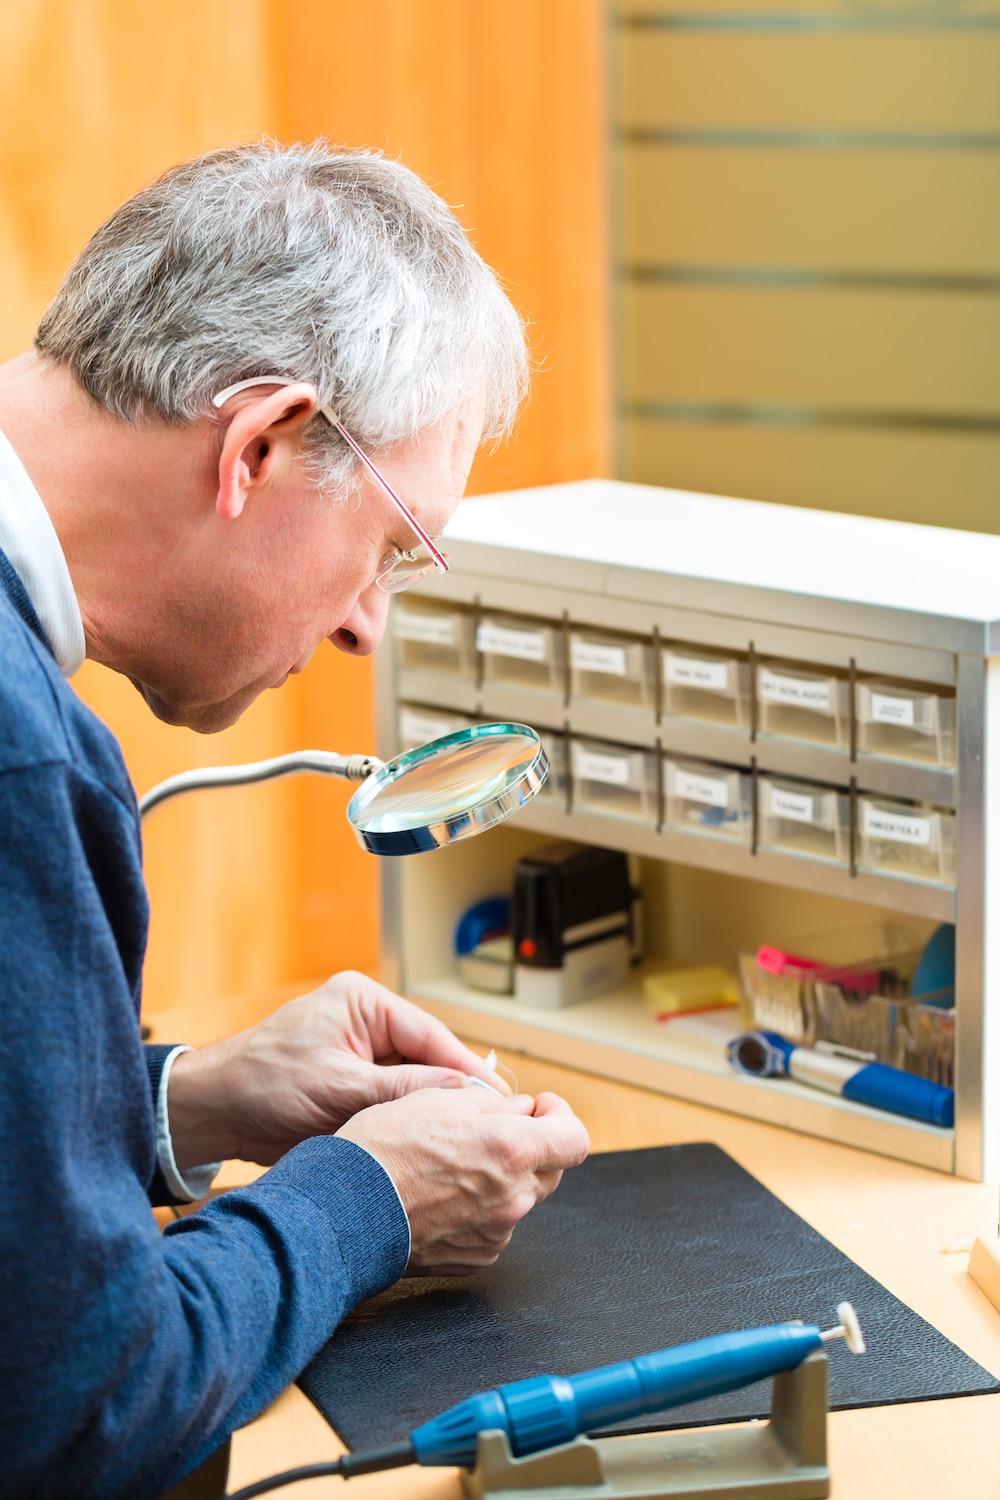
x,y
126,1357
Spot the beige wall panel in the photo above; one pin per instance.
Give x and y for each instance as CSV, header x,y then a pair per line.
x,y
862,350
844,11
934,478
912,81
882,210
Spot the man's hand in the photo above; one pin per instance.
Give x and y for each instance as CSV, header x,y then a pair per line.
x,y
307,1069
468,1166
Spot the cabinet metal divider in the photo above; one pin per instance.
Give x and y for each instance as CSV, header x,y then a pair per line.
x,y
661,799
853,827
754,806
567,665
569,766
657,676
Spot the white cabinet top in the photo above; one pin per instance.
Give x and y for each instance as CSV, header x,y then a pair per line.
x,y
650,543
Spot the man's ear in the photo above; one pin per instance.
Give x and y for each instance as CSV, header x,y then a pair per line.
x,y
251,440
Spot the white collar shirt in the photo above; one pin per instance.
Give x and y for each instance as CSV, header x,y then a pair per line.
x,y
29,539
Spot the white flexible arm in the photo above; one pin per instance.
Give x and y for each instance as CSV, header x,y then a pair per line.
x,y
298,763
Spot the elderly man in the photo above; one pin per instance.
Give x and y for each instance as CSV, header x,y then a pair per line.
x,y
182,499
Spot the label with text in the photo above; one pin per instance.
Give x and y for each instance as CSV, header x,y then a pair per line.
x,y
691,671
897,827
592,656
417,728
431,630
797,692
710,791
501,640
799,807
889,710
594,765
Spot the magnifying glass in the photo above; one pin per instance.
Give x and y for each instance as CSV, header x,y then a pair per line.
x,y
441,793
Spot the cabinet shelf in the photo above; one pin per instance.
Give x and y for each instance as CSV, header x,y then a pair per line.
x,y
615,1036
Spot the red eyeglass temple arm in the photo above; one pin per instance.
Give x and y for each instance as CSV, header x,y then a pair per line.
x,y
440,562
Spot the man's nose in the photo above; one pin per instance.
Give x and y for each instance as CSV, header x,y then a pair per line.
x,y
364,627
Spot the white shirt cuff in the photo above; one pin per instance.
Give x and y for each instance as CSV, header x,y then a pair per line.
x,y
189,1186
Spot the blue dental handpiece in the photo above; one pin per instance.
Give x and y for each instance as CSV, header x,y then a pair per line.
x,y
549,1409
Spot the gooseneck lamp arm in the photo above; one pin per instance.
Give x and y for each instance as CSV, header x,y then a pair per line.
x,y
298,763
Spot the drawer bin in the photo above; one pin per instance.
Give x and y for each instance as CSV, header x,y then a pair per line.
x,y
797,817
419,725
708,799
614,779
433,637
607,668
521,652
906,723
796,704
906,838
705,685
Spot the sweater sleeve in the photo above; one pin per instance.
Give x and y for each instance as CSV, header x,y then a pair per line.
x,y
126,1356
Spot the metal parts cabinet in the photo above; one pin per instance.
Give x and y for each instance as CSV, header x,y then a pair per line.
x,y
770,590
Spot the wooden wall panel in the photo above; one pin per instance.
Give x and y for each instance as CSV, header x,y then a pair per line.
x,y
850,80
904,476
877,211
808,246
842,349
500,106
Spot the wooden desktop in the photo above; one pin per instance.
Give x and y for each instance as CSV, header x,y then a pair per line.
x,y
902,1223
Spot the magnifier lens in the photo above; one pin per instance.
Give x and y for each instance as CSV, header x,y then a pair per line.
x,y
448,790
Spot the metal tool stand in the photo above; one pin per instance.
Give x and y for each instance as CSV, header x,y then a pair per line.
x,y
781,1459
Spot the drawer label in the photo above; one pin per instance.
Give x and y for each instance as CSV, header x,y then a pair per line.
x,y
897,827
417,729
501,640
591,765
591,656
794,805
799,692
432,630
887,710
690,671
710,791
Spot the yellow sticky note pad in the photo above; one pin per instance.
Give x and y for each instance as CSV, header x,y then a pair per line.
x,y
676,990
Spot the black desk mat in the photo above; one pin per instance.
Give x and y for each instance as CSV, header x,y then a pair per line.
x,y
637,1250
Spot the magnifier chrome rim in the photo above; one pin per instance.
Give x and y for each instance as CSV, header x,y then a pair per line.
x,y
466,824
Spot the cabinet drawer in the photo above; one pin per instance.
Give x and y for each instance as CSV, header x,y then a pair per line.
x,y
705,685
708,799
795,703
433,637
906,838
607,668
797,817
418,725
614,779
906,723
520,651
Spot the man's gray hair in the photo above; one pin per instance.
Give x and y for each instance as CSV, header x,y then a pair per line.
x,y
339,268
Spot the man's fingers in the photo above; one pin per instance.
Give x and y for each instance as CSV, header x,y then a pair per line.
x,y
561,1141
403,1028
550,1104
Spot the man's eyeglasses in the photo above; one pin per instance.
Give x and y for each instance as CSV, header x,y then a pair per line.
x,y
399,569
